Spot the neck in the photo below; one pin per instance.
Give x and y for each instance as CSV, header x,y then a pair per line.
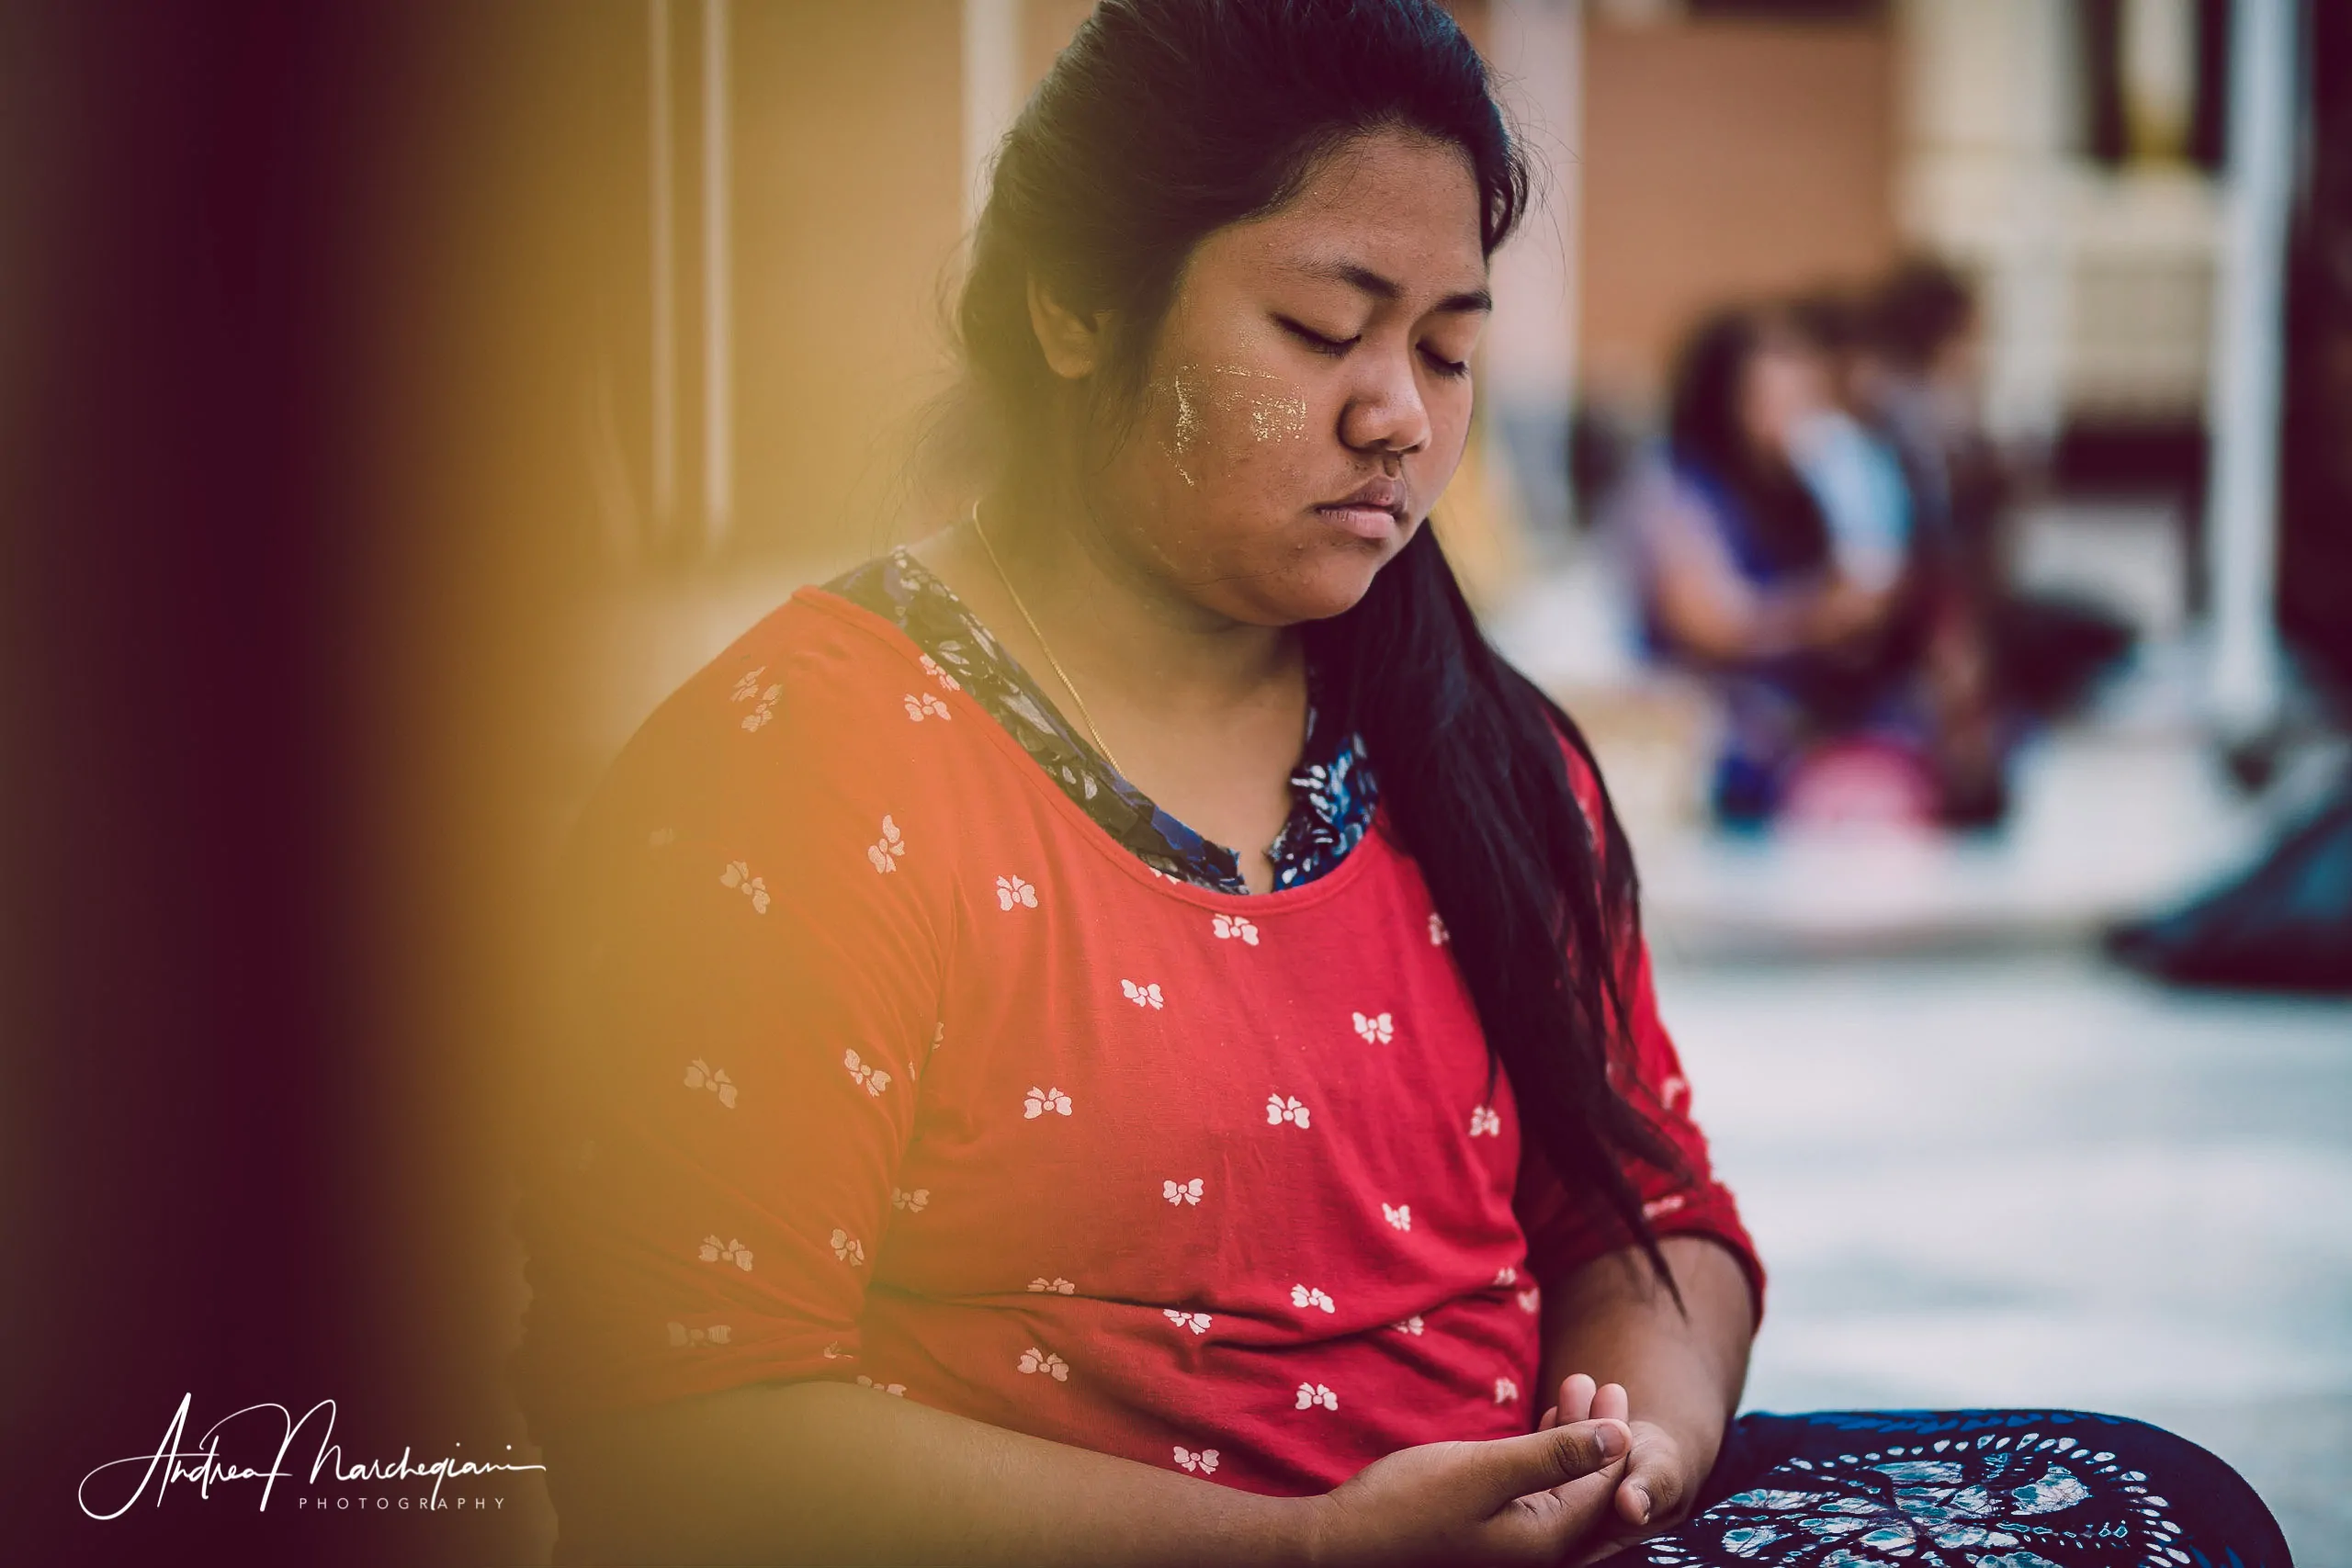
x,y
1125,632
1201,712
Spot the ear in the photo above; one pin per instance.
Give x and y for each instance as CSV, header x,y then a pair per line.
x,y
1073,345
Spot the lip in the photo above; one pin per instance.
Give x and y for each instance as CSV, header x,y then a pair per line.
x,y
1372,510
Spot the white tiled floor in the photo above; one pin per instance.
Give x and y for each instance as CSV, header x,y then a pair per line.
x,y
2029,1180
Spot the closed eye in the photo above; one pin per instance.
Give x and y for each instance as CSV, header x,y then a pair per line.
x,y
1317,341
1445,366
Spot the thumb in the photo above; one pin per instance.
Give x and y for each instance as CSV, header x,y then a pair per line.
x,y
1541,1461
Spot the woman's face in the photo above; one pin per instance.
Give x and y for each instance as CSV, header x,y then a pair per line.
x,y
1786,383
1310,391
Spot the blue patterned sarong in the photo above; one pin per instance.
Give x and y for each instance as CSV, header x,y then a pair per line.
x,y
1966,1489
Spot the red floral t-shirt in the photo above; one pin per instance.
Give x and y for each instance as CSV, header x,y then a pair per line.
x,y
899,1070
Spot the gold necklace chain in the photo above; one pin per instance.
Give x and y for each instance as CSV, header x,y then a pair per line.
x,y
1067,684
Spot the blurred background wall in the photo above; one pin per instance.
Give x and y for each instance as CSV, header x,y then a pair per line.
x,y
1784,136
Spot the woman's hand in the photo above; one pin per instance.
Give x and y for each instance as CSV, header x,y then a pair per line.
x,y
1506,1501
1660,1479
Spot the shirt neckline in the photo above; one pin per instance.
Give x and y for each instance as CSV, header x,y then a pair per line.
x,y
1344,873
1334,795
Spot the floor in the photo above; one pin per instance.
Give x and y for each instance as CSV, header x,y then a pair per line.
x,y
2024,1178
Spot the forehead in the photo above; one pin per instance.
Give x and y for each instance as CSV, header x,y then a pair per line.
x,y
1400,205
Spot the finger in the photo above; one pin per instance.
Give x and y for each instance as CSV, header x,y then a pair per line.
x,y
1546,1526
1541,1461
1648,1497
1576,1397
1551,1419
1654,1486
1609,1404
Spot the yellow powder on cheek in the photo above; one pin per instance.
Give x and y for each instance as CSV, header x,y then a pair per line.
x,y
1205,407
1269,410
1180,393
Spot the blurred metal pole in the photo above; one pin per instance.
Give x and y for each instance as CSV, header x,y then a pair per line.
x,y
991,91
717,297
2249,323
661,151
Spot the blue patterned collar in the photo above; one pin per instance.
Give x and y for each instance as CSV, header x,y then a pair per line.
x,y
1333,789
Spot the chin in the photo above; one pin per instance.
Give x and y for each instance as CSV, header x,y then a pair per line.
x,y
1328,584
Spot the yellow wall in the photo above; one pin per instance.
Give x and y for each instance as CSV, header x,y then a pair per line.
x,y
848,215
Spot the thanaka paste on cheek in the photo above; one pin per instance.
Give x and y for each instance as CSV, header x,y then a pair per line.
x,y
1238,401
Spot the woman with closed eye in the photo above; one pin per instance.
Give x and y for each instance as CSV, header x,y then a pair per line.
x,y
1120,1033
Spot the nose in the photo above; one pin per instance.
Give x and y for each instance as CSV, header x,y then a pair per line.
x,y
1385,414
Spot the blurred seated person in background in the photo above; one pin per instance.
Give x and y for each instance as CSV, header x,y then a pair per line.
x,y
1846,459
1776,554
1913,349
1914,370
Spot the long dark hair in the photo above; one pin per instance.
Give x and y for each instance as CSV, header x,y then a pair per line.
x,y
1162,121
1704,431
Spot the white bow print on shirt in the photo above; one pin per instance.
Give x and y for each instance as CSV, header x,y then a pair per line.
x,y
747,689
1142,996
925,706
874,1080
755,888
1036,1360
1182,1191
1198,1322
1506,1275
1037,1102
716,1334
1486,1122
732,1251
1205,1461
702,1075
931,668
897,1387
1011,890
1530,1301
1409,1326
848,1248
1304,1296
885,853
912,1202
1377,1029
1230,928
1401,1216
1505,1391
1311,1394
1282,1108
1057,1286
1439,935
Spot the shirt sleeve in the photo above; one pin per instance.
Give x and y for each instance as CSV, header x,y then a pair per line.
x,y
1566,1230
760,997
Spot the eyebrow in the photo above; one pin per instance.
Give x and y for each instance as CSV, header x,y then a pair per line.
x,y
1380,288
